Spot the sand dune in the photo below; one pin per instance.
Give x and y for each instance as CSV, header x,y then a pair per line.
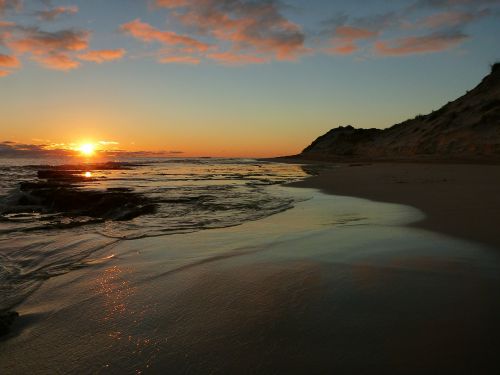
x,y
465,129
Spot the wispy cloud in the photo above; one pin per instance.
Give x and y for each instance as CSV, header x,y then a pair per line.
x,y
51,49
38,41
56,61
433,4
234,32
243,32
7,5
346,34
59,50
7,61
54,13
346,38
425,26
231,58
104,55
453,18
147,33
190,60
436,42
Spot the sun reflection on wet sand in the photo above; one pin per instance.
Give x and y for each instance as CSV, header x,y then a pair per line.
x,y
116,292
119,310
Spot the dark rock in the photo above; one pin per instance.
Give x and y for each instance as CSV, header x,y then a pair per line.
x,y
88,167
114,204
6,320
122,190
64,197
342,141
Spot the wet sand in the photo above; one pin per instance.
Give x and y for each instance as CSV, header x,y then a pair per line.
x,y
461,200
335,285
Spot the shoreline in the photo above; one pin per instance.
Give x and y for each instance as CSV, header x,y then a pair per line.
x,y
460,200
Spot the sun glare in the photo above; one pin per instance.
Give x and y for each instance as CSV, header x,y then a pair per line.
x,y
87,149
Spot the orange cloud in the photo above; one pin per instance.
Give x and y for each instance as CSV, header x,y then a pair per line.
x,y
5,31
52,14
104,55
57,61
354,33
147,33
171,3
191,60
452,18
345,39
4,73
6,23
347,48
230,58
41,42
256,27
239,32
419,45
54,50
7,61
51,49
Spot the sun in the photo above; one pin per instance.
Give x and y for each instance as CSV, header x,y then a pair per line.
x,y
87,149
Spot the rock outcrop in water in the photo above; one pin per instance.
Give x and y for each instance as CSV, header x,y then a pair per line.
x,y
465,129
60,190
109,204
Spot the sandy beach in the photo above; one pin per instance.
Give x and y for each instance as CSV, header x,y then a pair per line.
x,y
337,284
461,200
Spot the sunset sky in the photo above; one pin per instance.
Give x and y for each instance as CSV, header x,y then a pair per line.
x,y
230,77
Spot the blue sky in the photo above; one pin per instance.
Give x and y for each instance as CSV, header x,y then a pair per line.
x,y
232,77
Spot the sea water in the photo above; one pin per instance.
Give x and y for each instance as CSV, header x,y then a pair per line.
x,y
189,195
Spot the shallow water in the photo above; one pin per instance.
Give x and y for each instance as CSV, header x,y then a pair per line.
x,y
189,195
